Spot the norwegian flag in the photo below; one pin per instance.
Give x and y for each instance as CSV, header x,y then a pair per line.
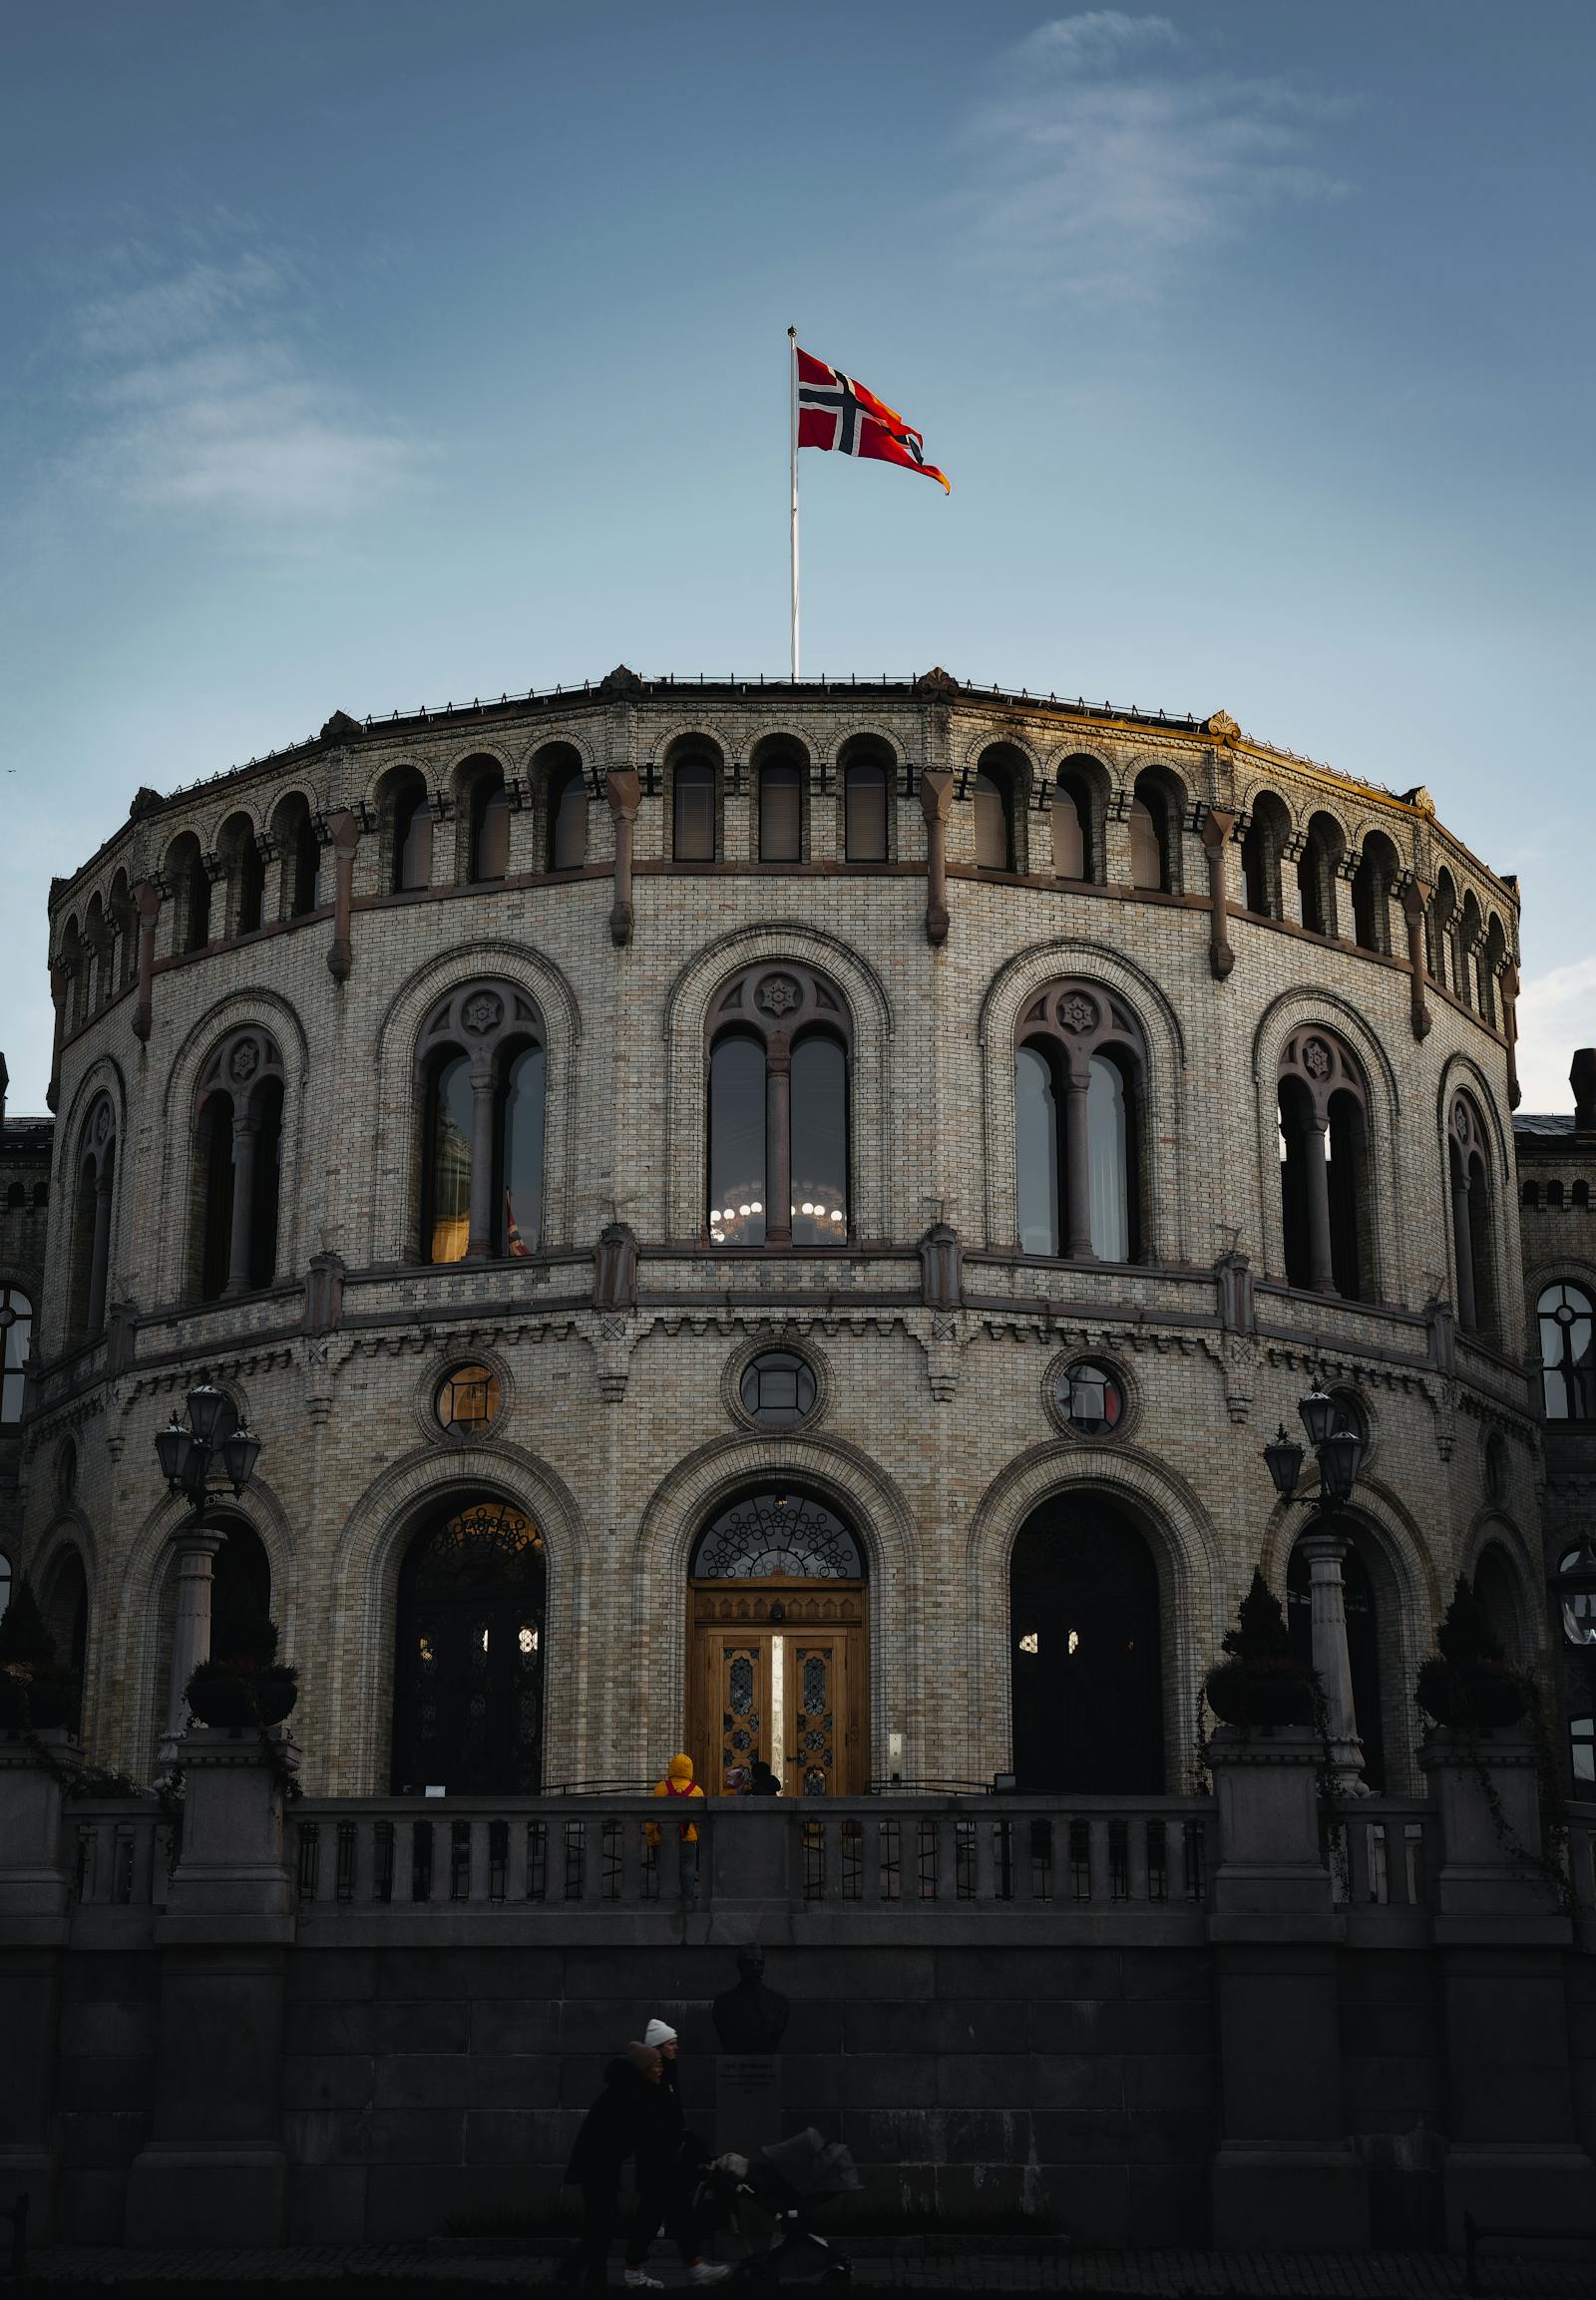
x,y
836,413
520,1250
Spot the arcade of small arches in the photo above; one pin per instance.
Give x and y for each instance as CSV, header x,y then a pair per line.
x,y
460,834
780,1147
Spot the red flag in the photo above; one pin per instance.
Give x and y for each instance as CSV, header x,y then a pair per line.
x,y
519,1249
835,411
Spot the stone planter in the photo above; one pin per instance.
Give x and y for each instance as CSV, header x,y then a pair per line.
x,y
1241,1693
220,1695
1484,1694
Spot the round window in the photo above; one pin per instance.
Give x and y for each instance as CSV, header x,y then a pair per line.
x,y
468,1399
1092,1398
1350,1414
1498,1475
777,1387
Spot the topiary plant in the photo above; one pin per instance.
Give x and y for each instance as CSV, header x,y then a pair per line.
x,y
243,1682
1262,1682
1469,1681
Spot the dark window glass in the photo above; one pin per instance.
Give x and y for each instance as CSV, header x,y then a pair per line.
x,y
737,1141
489,845
1146,848
1310,887
1482,1247
1345,1176
252,885
1108,1150
766,1534
446,1219
1037,1143
198,918
412,837
1567,1322
1255,870
216,1122
267,1182
777,1386
307,868
1582,1748
1070,834
866,812
781,821
1494,1588
520,1223
16,1324
1086,1681
1092,1398
994,841
819,1142
694,799
567,820
1297,1142
468,1660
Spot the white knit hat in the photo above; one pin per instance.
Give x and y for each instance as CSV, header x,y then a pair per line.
x,y
659,2033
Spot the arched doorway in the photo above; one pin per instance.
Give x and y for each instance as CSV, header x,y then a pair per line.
x,y
1363,1645
468,1657
777,1659
1088,1706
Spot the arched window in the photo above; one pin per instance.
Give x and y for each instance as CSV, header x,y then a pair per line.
x,y
693,808
293,836
1474,1218
1554,1195
96,954
778,1110
1579,1196
73,976
1443,932
1263,843
409,833
239,1137
1080,1071
186,874
867,791
1373,885
566,802
992,792
1325,1180
16,1330
1083,1644
124,920
91,1227
1077,813
246,872
1492,966
1567,1321
485,805
1154,820
468,1655
1470,952
1496,1587
1316,869
480,1065
1531,1196
781,774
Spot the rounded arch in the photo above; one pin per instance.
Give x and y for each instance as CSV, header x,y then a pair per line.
x,y
393,1173
363,1591
1472,1139
1494,1540
999,778
694,771
846,1479
781,767
688,1006
479,784
184,869
560,776
1186,1554
1389,1235
1373,886
867,730
1267,837
1081,785
1017,983
1157,862
868,776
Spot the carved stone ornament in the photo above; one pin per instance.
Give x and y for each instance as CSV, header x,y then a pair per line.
x,y
483,1013
1222,726
778,995
244,1060
1078,1013
1317,1058
102,1123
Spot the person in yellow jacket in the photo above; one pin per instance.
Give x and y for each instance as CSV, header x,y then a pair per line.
x,y
680,1784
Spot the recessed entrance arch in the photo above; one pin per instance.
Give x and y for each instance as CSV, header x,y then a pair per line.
x,y
777,1647
1084,1654
468,1657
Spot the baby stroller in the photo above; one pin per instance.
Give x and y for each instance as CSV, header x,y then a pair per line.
x,y
786,2184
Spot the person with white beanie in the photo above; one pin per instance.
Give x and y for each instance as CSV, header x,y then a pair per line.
x,y
672,2207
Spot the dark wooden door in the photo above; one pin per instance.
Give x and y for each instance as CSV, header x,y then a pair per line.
x,y
1085,1655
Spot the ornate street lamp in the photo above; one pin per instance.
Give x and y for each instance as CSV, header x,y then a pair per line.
x,y
1339,1455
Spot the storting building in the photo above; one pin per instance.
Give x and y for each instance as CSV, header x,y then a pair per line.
x,y
776,1222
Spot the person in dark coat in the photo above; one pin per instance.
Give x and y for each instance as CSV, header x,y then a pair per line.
x,y
668,2175
764,1782
629,2120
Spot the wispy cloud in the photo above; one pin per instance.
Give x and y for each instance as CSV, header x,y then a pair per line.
x,y
1556,1014
203,391
1105,158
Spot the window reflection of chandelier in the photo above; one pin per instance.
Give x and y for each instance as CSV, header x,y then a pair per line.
x,y
741,1220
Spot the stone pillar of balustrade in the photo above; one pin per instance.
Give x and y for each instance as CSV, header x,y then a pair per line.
x,y
1283,2177
1503,1935
34,1897
212,2170
748,1862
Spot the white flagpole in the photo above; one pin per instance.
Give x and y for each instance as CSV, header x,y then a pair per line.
x,y
792,363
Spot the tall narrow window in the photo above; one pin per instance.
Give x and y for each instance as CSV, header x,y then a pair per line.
x,y
15,1330
197,930
265,1195
819,1142
521,1204
737,1140
1567,1322
446,1219
481,1068
490,827
304,866
994,841
239,1150
1070,834
90,1264
1078,805
411,835
1324,1184
1108,1147
216,1156
1372,882
1146,852
866,810
251,885
1037,1143
1473,1219
568,818
693,811
781,811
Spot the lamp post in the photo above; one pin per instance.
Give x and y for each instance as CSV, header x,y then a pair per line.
x,y
214,1449
1339,1455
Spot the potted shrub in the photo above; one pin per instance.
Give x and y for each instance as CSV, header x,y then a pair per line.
x,y
1262,1682
35,1690
243,1682
1469,1681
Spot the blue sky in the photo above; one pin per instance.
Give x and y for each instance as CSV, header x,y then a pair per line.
x,y
365,353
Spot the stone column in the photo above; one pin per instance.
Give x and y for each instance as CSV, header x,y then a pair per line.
x,y
1416,899
1324,1545
344,830
1218,829
479,1241
190,1630
246,1127
936,800
147,898
1316,1190
34,1905
1464,1246
100,1253
212,2170
1077,1170
1283,2177
778,1139
1502,1941
623,790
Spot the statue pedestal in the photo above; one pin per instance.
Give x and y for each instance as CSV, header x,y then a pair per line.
x,y
747,2102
